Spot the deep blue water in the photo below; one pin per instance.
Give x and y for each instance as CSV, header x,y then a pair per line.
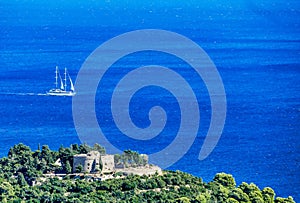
x,y
255,46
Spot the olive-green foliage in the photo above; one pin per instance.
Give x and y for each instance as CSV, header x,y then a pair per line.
x,y
79,168
21,180
130,158
225,179
68,167
284,200
268,195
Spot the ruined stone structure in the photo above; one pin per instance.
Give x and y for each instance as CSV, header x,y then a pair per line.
x,y
91,162
108,163
145,158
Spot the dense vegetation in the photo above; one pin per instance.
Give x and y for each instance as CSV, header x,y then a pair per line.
x,y
130,158
22,167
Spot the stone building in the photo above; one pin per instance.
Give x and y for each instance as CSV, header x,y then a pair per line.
x,y
90,162
108,163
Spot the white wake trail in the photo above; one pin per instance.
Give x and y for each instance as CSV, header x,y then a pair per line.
x,y
23,94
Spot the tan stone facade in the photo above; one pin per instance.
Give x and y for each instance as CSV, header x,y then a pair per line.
x,y
108,163
91,162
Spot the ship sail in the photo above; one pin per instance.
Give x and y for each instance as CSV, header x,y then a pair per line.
x,y
61,82
72,86
57,74
71,83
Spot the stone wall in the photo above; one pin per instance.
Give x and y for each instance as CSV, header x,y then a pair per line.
x,y
90,162
78,159
108,163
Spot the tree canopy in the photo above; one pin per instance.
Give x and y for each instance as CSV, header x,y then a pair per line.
x,y
22,179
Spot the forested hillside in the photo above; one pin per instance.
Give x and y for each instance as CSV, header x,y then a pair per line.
x,y
22,179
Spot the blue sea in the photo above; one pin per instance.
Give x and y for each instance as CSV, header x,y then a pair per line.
x,y
255,46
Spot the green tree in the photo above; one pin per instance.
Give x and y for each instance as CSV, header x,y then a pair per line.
x,y
284,200
79,168
200,199
239,195
68,168
65,154
128,185
117,158
75,148
84,148
7,189
231,200
268,195
254,193
256,199
225,179
18,150
46,154
183,200
21,180
21,154
99,148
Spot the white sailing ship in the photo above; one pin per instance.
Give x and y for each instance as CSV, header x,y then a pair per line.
x,y
61,89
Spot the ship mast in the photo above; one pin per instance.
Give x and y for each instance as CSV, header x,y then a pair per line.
x,y
65,79
56,77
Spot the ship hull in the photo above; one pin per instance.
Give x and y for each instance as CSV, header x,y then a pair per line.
x,y
59,92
